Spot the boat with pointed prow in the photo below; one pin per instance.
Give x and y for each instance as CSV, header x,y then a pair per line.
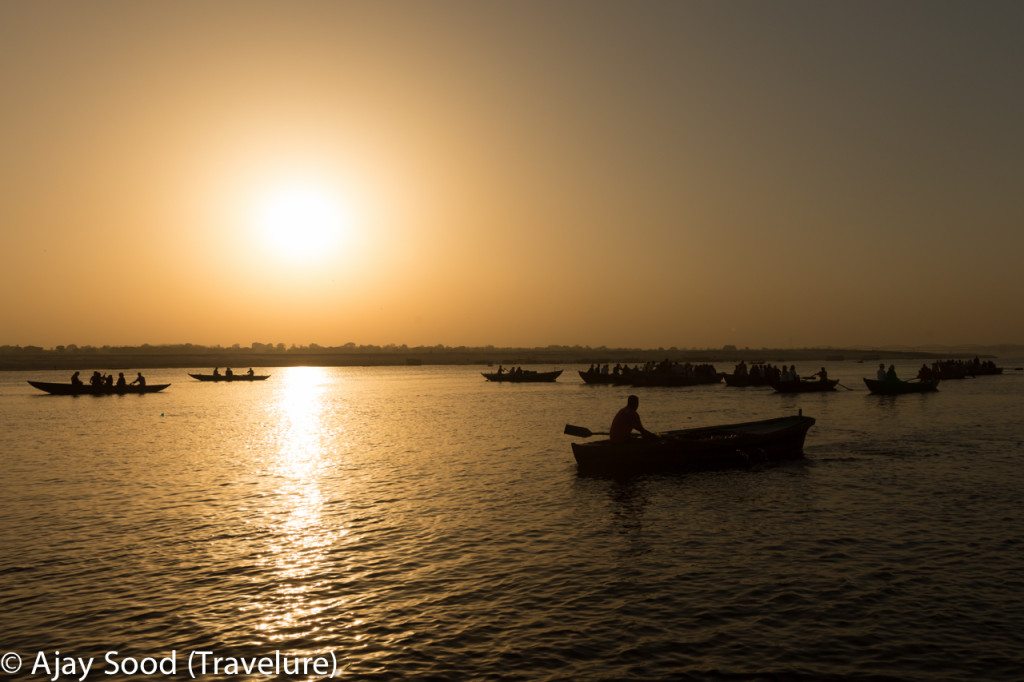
x,y
729,446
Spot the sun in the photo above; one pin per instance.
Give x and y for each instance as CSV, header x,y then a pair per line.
x,y
302,222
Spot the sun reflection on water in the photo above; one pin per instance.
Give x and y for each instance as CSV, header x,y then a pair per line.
x,y
298,538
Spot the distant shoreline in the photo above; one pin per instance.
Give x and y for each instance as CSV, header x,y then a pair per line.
x,y
154,357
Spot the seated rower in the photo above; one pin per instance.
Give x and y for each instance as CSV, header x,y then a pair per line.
x,y
626,420
216,372
250,372
140,380
121,383
75,381
228,372
822,375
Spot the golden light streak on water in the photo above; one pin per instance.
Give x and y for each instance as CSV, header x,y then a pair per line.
x,y
298,539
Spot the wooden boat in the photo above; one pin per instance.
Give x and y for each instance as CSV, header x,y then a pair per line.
x,y
743,381
667,379
897,387
522,376
731,446
86,389
600,378
804,386
233,377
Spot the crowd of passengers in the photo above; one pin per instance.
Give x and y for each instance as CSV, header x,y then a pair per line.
x,y
959,368
772,374
665,367
98,380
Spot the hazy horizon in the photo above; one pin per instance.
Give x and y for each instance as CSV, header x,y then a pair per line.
x,y
685,174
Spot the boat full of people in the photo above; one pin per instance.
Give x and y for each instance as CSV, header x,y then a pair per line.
x,y
757,374
99,384
667,373
520,375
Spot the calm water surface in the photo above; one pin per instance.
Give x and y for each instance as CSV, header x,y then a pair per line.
x,y
420,522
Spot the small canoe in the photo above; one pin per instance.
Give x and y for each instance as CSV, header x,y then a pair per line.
x,y
233,377
804,386
86,389
898,387
731,446
523,376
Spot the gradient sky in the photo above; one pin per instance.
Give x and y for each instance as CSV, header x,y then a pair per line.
x,y
623,174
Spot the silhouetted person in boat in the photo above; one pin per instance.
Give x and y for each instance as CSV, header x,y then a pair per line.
x,y
925,373
121,383
228,372
890,374
75,381
250,372
216,372
96,379
626,420
881,375
500,369
822,375
140,380
108,381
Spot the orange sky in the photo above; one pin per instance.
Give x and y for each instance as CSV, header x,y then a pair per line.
x,y
641,174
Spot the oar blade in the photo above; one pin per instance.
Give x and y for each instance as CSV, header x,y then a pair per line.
x,y
578,431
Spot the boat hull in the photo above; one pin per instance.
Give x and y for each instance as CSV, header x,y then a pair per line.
x,y
522,377
71,389
234,377
900,387
730,446
804,386
599,378
743,381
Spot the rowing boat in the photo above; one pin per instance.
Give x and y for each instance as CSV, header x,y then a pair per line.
x,y
731,446
889,387
804,386
522,376
86,389
233,377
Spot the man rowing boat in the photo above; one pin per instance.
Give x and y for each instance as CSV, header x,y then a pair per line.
x,y
626,420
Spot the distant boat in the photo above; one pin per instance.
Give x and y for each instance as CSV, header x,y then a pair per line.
x,y
86,389
731,446
804,386
522,376
897,387
233,377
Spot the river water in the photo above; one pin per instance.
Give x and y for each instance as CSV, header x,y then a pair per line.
x,y
421,522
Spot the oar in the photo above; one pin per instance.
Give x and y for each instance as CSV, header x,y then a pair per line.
x,y
582,431
844,386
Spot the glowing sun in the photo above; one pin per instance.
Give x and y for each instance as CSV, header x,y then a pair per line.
x,y
302,222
